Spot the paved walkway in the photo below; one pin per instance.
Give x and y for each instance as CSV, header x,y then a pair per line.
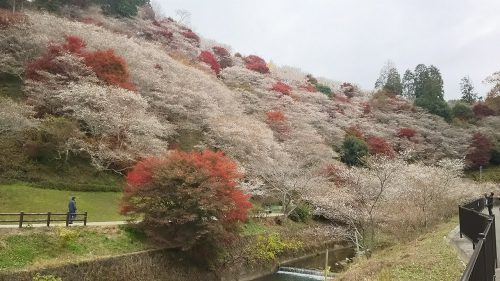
x,y
464,245
100,223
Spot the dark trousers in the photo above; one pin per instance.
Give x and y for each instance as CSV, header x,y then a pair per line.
x,y
490,210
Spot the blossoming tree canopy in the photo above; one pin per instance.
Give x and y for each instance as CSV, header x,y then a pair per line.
x,y
186,197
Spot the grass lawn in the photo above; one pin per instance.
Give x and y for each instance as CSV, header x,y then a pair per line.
x,y
428,258
101,206
41,247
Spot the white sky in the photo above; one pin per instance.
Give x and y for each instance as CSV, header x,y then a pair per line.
x,y
350,40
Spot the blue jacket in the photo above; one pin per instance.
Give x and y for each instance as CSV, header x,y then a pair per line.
x,y
72,206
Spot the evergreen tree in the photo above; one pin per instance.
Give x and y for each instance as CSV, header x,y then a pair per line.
x,y
122,8
467,90
354,151
389,79
429,92
408,84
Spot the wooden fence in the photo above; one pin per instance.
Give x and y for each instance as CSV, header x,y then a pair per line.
x,y
22,218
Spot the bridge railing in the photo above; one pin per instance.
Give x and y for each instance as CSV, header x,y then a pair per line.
x,y
480,229
23,218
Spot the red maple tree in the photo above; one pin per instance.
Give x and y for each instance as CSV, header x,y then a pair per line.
x,y
209,58
479,152
282,88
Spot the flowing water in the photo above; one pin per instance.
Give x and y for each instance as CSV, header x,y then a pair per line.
x,y
311,268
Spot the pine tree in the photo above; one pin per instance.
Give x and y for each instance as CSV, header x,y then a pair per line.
x,y
429,92
408,84
467,90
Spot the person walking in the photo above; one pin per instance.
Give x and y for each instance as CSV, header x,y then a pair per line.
x,y
72,210
489,203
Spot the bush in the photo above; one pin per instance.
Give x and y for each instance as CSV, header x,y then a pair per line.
x,y
223,56
269,247
110,68
481,110
209,59
379,146
256,63
348,89
354,151
355,132
282,88
495,154
275,116
324,89
406,133
462,111
191,35
302,213
479,151
188,200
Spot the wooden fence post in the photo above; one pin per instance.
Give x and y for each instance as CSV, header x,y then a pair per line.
x,y
67,219
48,218
85,219
21,218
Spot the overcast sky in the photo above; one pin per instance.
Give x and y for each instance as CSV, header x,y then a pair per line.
x,y
350,40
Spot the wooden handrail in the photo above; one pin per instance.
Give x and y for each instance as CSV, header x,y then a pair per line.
x,y
49,218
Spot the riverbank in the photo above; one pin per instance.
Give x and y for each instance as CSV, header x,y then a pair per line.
x,y
261,248
430,257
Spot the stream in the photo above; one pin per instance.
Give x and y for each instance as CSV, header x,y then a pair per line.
x,y
311,268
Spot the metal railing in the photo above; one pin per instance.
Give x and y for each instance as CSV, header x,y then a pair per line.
x,y
23,218
480,229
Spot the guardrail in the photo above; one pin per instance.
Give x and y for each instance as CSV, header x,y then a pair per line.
x,y
480,229
22,218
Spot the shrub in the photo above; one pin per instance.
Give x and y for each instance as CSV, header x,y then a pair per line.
x,y
324,89
209,59
282,88
495,154
189,34
355,132
8,18
309,88
275,116
165,33
223,56
66,235
479,151
481,109
348,89
269,247
311,79
187,199
406,133
110,68
354,151
302,213
462,111
367,108
379,146
256,63
107,66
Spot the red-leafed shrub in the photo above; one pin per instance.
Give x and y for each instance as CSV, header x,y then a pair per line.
x,y
355,132
334,174
481,109
406,133
275,116
223,56
210,59
282,88
479,152
348,89
8,18
107,66
191,35
110,68
165,33
256,63
341,98
379,146
186,199
309,88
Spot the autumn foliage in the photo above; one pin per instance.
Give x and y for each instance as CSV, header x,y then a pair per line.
x,y
256,63
186,198
380,146
355,132
406,133
191,35
481,109
223,56
107,66
479,151
209,58
282,88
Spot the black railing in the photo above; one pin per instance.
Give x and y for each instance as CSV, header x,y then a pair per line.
x,y
480,229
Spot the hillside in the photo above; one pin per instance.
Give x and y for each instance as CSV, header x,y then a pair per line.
x,y
84,97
